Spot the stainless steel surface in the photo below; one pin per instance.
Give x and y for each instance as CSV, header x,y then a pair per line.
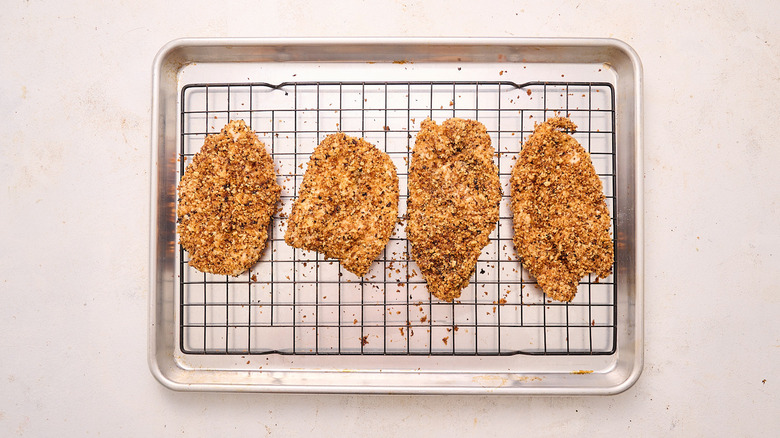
x,y
519,60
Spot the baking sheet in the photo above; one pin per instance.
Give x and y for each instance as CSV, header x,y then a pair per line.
x,y
185,64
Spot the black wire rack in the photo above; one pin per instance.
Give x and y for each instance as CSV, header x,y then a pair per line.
x,y
295,302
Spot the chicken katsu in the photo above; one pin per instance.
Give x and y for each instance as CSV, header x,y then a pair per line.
x,y
227,197
560,217
454,196
347,206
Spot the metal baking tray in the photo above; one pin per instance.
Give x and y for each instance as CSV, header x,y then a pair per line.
x,y
298,322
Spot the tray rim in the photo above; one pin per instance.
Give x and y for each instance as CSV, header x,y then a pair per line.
x,y
170,48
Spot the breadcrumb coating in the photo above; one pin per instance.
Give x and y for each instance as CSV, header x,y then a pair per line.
x,y
347,206
227,197
454,196
561,220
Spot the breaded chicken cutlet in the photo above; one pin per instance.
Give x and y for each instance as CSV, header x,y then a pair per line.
x,y
561,220
227,196
454,195
347,206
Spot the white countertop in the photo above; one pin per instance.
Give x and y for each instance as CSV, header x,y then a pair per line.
x,y
74,216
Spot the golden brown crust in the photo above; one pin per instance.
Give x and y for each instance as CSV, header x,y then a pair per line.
x,y
347,206
227,196
561,220
454,194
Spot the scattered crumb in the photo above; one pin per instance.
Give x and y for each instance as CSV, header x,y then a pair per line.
x,y
445,339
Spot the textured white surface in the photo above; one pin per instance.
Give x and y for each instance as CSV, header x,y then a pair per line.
x,y
74,178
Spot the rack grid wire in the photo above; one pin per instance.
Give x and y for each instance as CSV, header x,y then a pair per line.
x,y
295,302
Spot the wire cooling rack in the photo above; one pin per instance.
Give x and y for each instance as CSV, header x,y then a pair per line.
x,y
295,302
